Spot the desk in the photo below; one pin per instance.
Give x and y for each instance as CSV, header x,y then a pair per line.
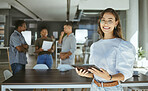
x,y
51,78
142,80
30,79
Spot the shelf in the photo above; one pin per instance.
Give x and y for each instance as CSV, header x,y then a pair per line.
x,y
58,53
1,35
2,22
1,40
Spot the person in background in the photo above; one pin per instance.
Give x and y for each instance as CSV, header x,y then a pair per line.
x,y
44,57
18,48
68,45
112,54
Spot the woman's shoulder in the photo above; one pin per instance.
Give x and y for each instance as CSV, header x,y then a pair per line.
x,y
126,46
38,39
125,43
96,43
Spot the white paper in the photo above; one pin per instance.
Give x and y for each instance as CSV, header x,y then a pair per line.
x,y
46,45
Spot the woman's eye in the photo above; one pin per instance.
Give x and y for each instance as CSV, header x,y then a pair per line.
x,y
110,21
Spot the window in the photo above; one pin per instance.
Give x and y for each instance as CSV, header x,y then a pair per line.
x,y
81,35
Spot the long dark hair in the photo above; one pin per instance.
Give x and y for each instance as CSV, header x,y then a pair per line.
x,y
117,31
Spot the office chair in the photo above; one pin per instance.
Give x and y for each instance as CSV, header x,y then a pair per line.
x,y
7,74
78,54
40,66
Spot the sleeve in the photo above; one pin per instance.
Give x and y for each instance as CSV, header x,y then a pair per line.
x,y
16,41
125,59
61,41
53,45
91,60
72,45
36,43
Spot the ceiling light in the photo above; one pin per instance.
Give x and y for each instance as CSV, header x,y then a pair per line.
x,y
90,13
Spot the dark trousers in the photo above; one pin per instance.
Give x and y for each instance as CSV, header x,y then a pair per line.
x,y
16,67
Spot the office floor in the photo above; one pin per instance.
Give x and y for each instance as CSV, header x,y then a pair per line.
x,y
31,63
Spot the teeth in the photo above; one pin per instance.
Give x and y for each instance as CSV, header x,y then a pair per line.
x,y
106,27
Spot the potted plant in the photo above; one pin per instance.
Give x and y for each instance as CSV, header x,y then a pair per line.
x,y
141,53
141,57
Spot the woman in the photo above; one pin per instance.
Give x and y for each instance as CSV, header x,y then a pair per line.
x,y
44,57
112,54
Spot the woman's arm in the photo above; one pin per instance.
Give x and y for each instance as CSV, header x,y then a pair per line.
x,y
38,50
104,74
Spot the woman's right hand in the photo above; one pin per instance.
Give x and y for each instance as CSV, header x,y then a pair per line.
x,y
84,73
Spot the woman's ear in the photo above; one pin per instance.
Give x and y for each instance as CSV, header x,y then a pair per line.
x,y
116,23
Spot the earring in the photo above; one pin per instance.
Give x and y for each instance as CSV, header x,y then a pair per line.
x,y
115,27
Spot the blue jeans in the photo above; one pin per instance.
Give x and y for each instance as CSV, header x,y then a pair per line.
x,y
45,59
94,87
16,67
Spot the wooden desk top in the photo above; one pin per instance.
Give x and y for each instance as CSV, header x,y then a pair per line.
x,y
54,76
46,77
138,79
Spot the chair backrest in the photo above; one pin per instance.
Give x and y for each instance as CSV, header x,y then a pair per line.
x,y
40,66
78,52
7,74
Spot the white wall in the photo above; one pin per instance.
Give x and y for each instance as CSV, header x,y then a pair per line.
x,y
132,23
143,25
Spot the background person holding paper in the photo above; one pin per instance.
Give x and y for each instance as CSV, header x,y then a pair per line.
x,y
44,56
68,45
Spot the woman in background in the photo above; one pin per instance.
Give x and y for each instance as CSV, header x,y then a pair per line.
x,y
44,57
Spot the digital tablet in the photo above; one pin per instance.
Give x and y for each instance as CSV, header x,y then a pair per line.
x,y
85,67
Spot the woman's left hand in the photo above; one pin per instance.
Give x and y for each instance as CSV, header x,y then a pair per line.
x,y
50,50
104,74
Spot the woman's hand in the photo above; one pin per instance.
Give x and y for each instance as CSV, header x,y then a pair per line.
x,y
84,73
104,74
50,50
40,50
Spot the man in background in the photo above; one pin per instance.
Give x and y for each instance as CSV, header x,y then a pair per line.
x,y
68,45
18,48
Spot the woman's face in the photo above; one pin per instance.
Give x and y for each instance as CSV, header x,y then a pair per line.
x,y
44,33
108,23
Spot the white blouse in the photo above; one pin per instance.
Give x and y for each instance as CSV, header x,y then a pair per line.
x,y
113,55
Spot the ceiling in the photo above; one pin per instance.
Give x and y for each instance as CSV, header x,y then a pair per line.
x,y
58,10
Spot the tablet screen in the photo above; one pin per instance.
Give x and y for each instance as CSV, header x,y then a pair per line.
x,y
85,67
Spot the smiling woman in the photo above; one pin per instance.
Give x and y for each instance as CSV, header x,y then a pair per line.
x,y
113,55
113,23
